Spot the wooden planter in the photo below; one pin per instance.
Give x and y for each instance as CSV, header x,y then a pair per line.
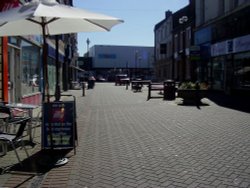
x,y
191,95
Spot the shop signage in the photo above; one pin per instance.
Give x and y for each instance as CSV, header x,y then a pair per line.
x,y
203,36
236,45
59,121
219,49
242,44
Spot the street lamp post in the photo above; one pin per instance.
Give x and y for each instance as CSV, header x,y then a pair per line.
x,y
88,42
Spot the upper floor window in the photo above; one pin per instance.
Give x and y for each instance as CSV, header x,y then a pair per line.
x,y
163,48
176,43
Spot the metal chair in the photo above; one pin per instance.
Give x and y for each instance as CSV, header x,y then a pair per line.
x,y
11,117
36,122
13,139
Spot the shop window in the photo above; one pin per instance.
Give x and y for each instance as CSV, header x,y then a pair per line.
x,y
242,71
218,73
163,48
30,69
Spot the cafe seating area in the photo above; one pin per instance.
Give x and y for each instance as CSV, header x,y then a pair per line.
x,y
16,122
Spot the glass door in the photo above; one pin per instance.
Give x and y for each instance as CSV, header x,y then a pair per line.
x,y
14,81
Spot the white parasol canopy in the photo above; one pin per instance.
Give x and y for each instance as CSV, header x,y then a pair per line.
x,y
55,18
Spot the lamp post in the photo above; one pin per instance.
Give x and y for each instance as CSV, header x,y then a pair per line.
x,y
182,21
88,42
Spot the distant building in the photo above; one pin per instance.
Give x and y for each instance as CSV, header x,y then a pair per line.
x,y
109,60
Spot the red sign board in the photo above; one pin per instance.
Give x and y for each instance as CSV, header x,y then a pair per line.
x,y
8,4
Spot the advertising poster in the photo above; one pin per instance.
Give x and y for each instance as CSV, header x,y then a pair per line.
x,y
58,123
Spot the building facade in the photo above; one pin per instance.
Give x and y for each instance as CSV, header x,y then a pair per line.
x,y
173,43
109,60
224,38
183,26
21,76
163,48
210,43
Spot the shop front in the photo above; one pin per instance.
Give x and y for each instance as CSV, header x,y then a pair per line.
x,y
231,65
23,70
242,71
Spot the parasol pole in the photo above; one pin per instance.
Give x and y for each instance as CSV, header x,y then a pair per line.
x,y
57,92
45,64
45,76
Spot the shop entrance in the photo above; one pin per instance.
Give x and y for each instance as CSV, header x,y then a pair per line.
x,y
14,81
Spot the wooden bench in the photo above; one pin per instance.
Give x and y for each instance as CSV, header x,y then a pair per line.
x,y
153,86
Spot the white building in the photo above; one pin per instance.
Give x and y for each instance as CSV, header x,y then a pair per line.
x,y
134,60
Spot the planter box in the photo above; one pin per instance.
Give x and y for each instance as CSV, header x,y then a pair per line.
x,y
192,95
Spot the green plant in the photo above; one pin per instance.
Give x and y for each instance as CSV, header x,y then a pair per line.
x,y
187,85
192,85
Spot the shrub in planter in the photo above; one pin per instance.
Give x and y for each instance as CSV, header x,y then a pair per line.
x,y
192,92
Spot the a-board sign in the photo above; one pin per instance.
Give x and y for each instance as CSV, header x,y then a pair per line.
x,y
58,124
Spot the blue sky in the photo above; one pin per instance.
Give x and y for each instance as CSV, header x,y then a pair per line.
x,y
140,17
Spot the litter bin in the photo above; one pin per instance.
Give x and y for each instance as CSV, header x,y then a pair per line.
x,y
169,90
90,84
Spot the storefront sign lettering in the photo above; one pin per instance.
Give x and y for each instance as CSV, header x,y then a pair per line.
x,y
242,44
219,49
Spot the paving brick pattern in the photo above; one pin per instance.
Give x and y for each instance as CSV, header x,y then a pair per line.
x,y
126,141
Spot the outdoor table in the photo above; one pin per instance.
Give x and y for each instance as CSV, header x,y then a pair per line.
x,y
29,108
3,115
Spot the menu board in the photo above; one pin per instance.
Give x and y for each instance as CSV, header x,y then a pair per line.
x,y
58,125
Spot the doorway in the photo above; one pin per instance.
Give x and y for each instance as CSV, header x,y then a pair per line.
x,y
14,81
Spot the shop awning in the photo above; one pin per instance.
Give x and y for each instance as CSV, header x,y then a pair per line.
x,y
77,68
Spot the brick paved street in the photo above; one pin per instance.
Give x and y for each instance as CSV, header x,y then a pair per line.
x,y
127,141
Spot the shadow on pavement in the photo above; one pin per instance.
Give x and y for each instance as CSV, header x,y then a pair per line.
x,y
39,163
197,105
236,102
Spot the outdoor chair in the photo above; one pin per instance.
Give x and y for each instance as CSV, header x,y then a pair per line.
x,y
14,139
11,116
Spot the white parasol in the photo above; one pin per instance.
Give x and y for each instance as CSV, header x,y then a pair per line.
x,y
47,17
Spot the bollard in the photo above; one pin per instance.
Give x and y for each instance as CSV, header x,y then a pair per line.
x,y
83,89
127,83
